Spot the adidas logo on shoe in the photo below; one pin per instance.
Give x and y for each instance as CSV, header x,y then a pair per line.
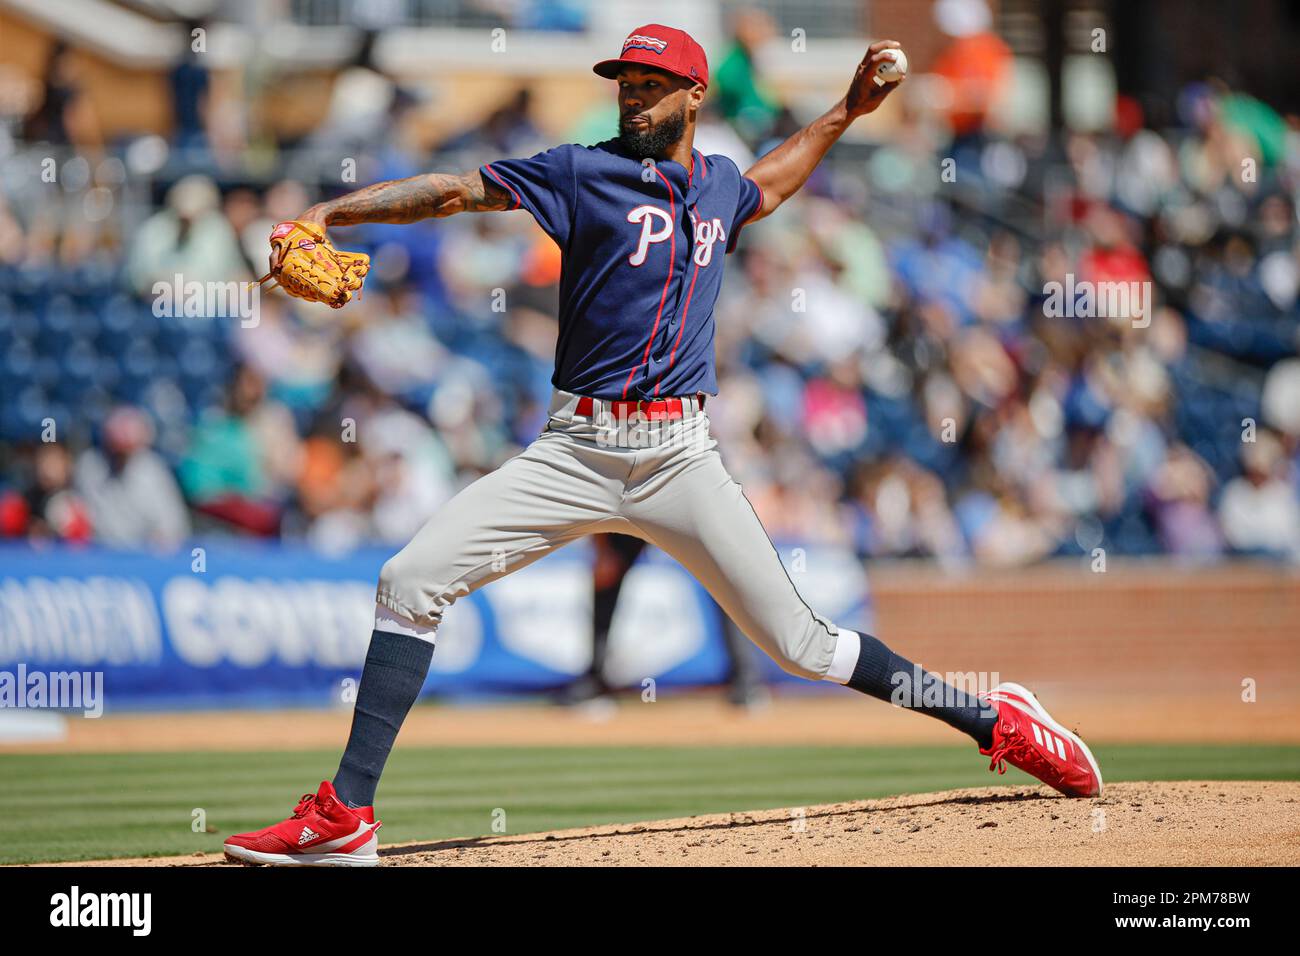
x,y
307,836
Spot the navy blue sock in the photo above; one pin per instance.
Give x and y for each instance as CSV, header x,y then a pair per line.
x,y
396,666
882,674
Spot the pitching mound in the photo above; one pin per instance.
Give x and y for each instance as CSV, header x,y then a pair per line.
x,y
1161,824
1186,823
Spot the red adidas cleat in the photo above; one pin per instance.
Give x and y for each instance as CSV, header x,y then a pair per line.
x,y
321,832
1027,737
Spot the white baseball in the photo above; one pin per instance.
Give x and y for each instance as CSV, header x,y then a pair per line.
x,y
892,69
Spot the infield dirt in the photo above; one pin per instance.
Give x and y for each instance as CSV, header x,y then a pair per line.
x,y
1186,823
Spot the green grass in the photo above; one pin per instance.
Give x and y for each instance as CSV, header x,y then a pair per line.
x,y
77,807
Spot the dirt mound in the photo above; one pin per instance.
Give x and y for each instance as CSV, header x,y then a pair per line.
x,y
1222,824
1170,824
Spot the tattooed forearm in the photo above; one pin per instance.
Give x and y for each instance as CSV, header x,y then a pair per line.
x,y
432,196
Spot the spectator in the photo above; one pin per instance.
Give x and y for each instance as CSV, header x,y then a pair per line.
x,y
1259,510
361,101
232,470
899,509
1179,500
976,63
189,87
742,96
188,237
64,115
131,494
52,507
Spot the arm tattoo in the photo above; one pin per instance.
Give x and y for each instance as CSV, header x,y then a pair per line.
x,y
435,195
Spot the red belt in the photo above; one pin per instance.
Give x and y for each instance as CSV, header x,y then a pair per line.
x,y
658,410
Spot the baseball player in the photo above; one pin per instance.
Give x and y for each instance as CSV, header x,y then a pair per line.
x,y
644,222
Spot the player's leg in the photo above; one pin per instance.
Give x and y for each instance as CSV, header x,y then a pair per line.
x,y
697,513
554,492
550,494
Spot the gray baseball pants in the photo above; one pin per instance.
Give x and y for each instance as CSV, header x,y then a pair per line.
x,y
662,481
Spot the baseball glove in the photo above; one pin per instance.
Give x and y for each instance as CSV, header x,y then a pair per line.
x,y
306,265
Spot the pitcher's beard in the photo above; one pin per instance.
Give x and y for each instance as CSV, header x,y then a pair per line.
x,y
657,139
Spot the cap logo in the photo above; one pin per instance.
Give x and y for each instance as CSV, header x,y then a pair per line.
x,y
638,42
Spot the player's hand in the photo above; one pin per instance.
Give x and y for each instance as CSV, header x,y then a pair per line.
x,y
864,94
306,265
314,216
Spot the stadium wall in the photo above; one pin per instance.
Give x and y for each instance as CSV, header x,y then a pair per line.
x,y
279,626
241,625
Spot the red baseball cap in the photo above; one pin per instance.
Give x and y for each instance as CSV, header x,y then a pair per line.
x,y
661,48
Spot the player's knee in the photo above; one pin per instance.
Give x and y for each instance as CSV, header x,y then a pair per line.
x,y
399,584
797,667
392,573
408,589
805,654
793,657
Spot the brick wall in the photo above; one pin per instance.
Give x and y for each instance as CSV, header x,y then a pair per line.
x,y
1155,639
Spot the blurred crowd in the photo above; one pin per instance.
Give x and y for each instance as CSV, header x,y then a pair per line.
x,y
893,377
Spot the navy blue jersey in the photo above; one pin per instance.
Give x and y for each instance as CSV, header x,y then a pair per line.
x,y
643,250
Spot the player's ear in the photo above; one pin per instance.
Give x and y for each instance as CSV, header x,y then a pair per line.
x,y
696,94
